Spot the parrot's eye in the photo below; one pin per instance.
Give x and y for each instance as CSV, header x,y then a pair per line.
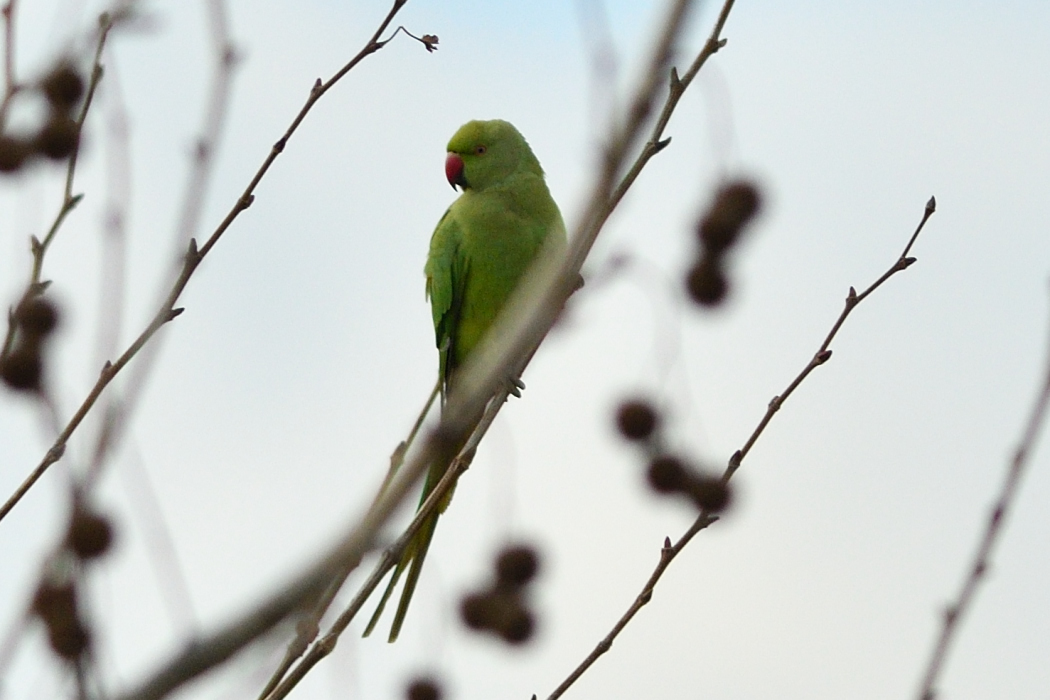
x,y
480,150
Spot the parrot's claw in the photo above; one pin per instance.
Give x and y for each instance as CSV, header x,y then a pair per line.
x,y
514,386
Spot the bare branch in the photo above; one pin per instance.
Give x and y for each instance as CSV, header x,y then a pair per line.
x,y
39,250
992,534
668,552
191,261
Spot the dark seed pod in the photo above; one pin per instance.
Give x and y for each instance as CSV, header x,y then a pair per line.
x,y
479,611
58,138
707,283
734,205
68,641
636,419
667,474
423,689
13,153
90,534
518,625
22,368
56,605
63,87
37,317
516,566
710,493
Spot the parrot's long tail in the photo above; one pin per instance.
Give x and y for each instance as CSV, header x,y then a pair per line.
x,y
412,559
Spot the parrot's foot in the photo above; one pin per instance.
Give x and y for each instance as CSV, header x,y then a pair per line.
x,y
514,386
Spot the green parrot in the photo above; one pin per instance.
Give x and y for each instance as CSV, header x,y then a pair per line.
x,y
480,250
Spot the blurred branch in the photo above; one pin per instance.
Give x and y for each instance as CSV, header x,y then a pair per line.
x,y
192,259
705,518
308,627
69,201
205,148
482,379
992,533
11,86
35,286
282,682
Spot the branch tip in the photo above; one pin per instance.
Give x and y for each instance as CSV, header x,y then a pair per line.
x,y
931,206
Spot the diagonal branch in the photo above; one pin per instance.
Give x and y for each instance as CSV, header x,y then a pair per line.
x,y
668,552
39,248
192,259
992,534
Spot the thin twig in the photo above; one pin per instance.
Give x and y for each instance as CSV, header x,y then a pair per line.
x,y
307,629
992,534
11,85
282,682
192,259
39,249
69,201
668,552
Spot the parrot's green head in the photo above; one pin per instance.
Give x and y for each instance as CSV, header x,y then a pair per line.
x,y
485,153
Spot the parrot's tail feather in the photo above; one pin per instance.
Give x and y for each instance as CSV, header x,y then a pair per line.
x,y
386,595
426,534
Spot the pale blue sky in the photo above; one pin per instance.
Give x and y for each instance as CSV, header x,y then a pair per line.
x,y
306,348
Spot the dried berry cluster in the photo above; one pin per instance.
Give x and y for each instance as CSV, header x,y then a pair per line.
x,y
423,689
735,205
57,137
502,609
638,421
33,321
55,602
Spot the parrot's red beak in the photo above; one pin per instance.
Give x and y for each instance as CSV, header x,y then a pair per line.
x,y
454,171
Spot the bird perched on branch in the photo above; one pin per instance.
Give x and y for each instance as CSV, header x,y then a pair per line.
x,y
502,222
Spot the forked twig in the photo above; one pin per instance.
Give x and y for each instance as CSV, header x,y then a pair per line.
x,y
992,534
193,257
39,250
668,552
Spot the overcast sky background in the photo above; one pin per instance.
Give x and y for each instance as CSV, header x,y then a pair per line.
x,y
306,347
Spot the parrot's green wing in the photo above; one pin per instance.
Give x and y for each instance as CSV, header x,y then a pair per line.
x,y
446,272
